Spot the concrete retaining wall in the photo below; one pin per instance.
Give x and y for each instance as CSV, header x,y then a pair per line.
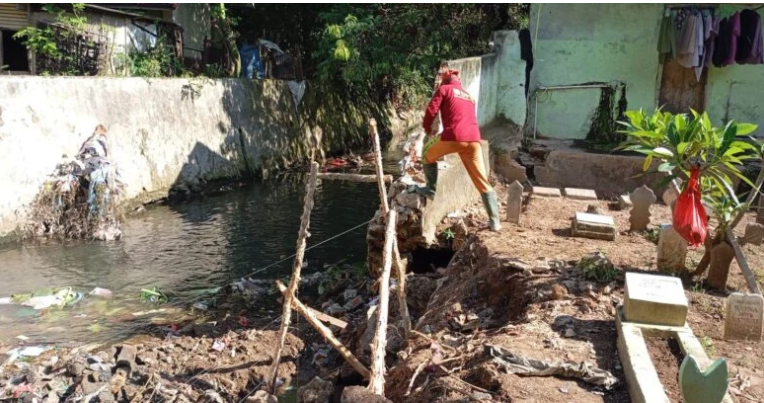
x,y
162,132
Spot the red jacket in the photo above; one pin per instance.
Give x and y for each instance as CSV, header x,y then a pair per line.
x,y
457,111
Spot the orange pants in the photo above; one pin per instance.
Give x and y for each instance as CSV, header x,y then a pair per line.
x,y
471,154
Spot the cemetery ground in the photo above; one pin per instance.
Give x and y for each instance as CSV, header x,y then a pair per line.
x,y
539,293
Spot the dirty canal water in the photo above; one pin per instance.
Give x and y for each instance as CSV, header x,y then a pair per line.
x,y
184,250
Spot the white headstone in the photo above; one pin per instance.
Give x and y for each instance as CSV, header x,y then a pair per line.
x,y
541,191
642,198
514,202
580,194
672,250
654,299
594,226
744,317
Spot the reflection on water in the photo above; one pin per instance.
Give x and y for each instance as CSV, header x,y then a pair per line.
x,y
182,249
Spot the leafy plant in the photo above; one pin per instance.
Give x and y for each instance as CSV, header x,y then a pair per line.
x,y
42,40
653,235
598,267
682,141
449,234
708,345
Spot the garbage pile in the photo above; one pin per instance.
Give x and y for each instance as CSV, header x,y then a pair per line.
x,y
79,199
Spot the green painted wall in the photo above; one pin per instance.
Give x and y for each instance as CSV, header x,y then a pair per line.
x,y
580,43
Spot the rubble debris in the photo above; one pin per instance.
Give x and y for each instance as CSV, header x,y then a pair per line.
x,y
515,364
316,391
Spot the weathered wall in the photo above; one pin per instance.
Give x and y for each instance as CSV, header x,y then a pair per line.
x,y
580,43
162,132
479,78
510,77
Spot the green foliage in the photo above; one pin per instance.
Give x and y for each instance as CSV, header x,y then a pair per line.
x,y
335,273
683,141
42,40
157,61
390,51
708,345
653,235
448,234
598,268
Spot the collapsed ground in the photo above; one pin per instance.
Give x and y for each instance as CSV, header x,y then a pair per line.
x,y
521,293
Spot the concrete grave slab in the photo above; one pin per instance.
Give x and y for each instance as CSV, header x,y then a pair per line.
x,y
594,226
655,299
580,194
744,317
641,376
624,202
540,191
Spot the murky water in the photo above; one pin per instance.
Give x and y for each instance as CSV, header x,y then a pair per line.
x,y
182,249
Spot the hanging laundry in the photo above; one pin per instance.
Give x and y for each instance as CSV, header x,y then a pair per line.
x,y
690,42
749,44
733,25
667,39
713,33
721,43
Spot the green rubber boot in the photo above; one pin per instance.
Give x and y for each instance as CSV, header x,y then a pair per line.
x,y
492,208
431,176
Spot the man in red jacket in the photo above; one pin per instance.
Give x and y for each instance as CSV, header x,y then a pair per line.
x,y
460,135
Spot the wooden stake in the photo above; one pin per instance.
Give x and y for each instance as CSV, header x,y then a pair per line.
x,y
378,159
353,177
377,381
400,270
310,316
753,286
286,314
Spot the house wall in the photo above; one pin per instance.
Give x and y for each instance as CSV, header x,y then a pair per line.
x,y
580,43
195,20
510,77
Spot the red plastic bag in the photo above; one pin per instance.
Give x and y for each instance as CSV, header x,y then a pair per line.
x,y
690,219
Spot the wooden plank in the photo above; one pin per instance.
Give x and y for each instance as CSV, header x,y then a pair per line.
x,y
328,319
11,18
353,177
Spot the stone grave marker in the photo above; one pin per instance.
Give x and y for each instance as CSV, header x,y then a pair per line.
x,y
540,191
754,233
642,198
655,300
594,226
709,386
624,202
670,195
744,317
514,202
580,194
672,250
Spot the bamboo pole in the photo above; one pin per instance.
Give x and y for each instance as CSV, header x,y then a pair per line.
x,y
400,270
354,177
286,314
310,315
378,160
377,375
